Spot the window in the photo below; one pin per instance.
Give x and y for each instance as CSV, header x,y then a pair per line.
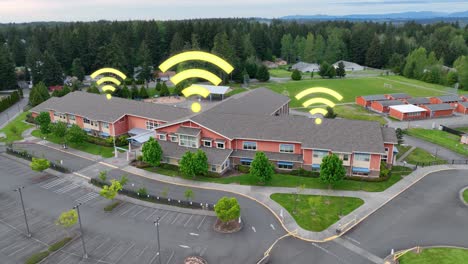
x,y
320,153
250,145
95,123
246,162
188,141
173,138
151,125
345,157
286,148
414,114
386,150
162,137
361,157
285,165
105,125
56,114
220,145
86,121
71,117
207,143
213,167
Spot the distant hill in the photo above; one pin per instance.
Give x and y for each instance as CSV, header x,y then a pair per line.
x,y
423,15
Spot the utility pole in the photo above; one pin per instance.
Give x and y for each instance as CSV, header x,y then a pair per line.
x,y
24,211
156,223
77,208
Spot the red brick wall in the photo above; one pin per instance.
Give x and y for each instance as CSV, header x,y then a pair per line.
x,y
390,153
396,114
375,162
461,109
121,127
443,113
307,156
378,107
435,100
139,122
79,121
362,102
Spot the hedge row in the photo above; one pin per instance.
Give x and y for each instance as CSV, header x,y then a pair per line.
x,y
157,199
25,155
9,100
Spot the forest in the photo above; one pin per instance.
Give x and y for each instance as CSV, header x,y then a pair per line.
x,y
54,50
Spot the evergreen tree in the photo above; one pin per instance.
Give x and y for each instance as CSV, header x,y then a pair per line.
x,y
296,75
331,72
125,93
134,91
287,48
396,63
158,86
309,48
374,55
52,71
177,43
324,69
93,89
263,74
7,70
340,71
77,69
164,90
319,48
251,67
462,69
143,93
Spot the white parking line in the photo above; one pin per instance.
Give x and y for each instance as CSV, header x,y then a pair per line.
x,y
199,225
253,228
186,223
193,234
184,246
354,240
126,251
86,198
160,219
169,260
330,253
53,183
141,253
11,254
139,212
272,226
155,256
203,252
67,188
175,219
62,261
126,211
107,254
146,219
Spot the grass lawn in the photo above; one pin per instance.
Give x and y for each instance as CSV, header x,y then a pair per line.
x,y
312,212
465,195
402,150
352,87
421,156
234,91
285,180
436,256
105,152
281,73
440,138
20,126
356,112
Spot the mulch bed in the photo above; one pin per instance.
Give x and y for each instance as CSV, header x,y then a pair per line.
x,y
228,227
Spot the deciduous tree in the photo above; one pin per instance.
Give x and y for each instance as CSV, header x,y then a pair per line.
x,y
227,209
332,170
152,152
261,168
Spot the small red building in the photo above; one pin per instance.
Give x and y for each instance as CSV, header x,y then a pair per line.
x,y
56,88
407,112
462,108
366,101
446,99
439,110
397,96
383,106
464,97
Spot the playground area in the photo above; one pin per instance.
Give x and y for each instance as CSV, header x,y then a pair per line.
x,y
166,100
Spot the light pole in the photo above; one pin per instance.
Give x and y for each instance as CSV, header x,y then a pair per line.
x,y
24,211
77,208
156,223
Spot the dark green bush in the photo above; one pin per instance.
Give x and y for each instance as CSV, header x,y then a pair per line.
x,y
243,168
142,191
36,258
58,245
305,173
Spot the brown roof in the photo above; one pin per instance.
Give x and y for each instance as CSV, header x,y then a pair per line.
x,y
97,107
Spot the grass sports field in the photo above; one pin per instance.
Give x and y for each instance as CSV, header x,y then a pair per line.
x,y
352,87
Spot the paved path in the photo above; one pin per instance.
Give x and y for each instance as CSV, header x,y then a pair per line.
x,y
373,201
442,152
454,121
403,157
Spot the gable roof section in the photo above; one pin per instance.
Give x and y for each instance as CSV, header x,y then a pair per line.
x,y
260,101
390,102
449,98
189,131
97,107
335,134
376,97
439,107
389,135
418,100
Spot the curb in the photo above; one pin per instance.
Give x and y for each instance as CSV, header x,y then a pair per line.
x,y
460,195
389,259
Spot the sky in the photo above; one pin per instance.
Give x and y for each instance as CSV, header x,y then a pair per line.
x,y
91,10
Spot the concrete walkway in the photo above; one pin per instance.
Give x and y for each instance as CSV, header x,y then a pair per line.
x,y
373,200
406,154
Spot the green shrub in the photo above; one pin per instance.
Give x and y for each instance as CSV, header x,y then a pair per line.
x,y
58,245
121,141
305,173
243,168
139,158
36,258
169,166
111,206
142,192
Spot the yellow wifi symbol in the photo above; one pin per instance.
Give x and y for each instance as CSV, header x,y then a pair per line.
x,y
196,73
319,100
108,79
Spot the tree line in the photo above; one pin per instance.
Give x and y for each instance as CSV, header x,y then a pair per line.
x,y
51,51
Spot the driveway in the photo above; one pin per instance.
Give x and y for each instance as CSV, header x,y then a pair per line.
x,y
442,152
428,213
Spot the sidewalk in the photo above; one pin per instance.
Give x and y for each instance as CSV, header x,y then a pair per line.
x,y
373,200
